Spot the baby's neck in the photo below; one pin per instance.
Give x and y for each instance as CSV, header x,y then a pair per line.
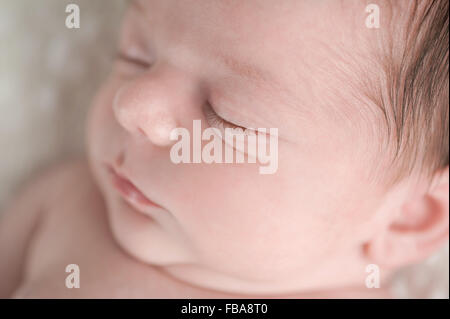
x,y
196,291
346,293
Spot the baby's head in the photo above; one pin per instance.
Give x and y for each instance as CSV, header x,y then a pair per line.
x,y
362,118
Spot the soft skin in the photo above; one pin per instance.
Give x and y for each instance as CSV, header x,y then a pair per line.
x,y
226,226
324,215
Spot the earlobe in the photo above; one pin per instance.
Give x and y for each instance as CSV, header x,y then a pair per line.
x,y
420,228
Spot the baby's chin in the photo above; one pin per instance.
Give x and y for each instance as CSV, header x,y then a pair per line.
x,y
144,238
149,242
146,241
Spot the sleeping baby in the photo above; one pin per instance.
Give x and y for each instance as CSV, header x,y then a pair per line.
x,y
343,103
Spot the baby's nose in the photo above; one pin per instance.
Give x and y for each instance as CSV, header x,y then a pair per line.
x,y
149,106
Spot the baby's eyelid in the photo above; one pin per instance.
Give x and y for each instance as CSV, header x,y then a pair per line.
x,y
214,119
135,53
132,59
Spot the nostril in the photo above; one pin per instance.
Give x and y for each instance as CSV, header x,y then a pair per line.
x,y
142,132
120,159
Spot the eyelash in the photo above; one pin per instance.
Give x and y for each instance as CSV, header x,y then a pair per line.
x,y
214,120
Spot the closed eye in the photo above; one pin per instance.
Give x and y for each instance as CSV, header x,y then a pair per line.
x,y
214,120
217,122
123,57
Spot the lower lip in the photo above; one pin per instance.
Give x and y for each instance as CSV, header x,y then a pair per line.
x,y
129,191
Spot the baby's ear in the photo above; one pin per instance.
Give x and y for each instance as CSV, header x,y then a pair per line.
x,y
421,227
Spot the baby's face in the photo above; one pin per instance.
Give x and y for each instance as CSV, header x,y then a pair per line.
x,y
259,64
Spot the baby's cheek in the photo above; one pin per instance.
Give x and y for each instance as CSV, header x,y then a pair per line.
x,y
307,212
239,221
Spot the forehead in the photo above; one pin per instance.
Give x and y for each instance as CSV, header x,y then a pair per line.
x,y
245,17
251,28
294,45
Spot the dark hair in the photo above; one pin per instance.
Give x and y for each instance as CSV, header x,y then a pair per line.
x,y
415,102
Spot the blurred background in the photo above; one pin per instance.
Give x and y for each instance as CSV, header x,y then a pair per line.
x,y
48,76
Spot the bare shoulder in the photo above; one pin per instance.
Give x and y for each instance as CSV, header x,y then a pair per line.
x,y
49,184
26,211
33,201
61,176
41,188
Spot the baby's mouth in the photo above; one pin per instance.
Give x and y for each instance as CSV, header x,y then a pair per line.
x,y
128,190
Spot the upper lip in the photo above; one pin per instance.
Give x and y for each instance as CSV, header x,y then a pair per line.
x,y
128,189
